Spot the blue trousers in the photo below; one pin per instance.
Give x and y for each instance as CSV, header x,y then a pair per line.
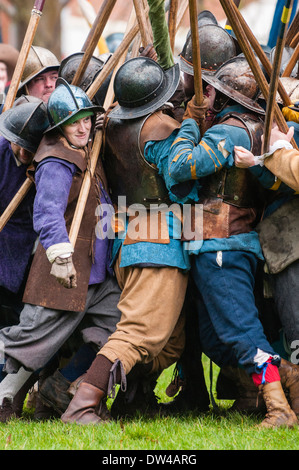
x,y
229,325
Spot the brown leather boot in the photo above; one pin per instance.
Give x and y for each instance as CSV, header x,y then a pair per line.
x,y
289,374
248,400
279,412
84,406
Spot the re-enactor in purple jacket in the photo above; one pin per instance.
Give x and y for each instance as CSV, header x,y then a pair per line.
x,y
69,288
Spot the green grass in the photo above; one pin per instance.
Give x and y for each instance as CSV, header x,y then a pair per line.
x,y
211,431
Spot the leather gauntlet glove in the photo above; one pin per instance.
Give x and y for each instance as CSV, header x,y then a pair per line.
x,y
195,111
64,271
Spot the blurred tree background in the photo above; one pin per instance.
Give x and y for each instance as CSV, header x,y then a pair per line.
x,y
49,34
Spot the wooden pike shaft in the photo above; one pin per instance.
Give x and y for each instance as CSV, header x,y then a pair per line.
x,y
36,13
292,62
10,98
93,38
172,20
195,52
261,55
285,18
293,30
229,10
141,18
120,57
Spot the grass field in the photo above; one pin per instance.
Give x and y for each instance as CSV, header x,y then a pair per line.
x,y
223,431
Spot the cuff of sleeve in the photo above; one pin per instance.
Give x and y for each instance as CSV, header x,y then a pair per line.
x,y
59,249
279,144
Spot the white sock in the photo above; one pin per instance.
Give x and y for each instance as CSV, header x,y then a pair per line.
x,y
12,383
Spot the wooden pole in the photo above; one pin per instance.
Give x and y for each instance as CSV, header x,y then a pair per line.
x,y
285,18
292,62
172,22
93,38
36,14
78,215
261,54
142,22
109,66
229,10
195,52
293,30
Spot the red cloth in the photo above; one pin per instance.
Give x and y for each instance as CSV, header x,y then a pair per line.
x,y
269,373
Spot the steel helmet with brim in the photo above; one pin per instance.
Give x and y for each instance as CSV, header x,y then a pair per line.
x,y
70,65
285,58
25,123
216,47
141,87
235,80
66,102
39,60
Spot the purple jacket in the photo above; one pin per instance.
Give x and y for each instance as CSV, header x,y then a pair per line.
x,y
17,237
53,178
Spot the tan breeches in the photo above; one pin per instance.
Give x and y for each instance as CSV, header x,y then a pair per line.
x,y
151,304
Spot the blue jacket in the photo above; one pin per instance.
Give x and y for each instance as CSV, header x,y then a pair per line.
x,y
192,158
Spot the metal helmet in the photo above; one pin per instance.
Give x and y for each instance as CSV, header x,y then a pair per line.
x,y
113,40
206,17
291,86
25,123
141,86
66,101
70,64
286,55
39,60
216,47
235,80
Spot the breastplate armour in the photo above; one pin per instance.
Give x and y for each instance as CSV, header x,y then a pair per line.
x,y
237,186
127,171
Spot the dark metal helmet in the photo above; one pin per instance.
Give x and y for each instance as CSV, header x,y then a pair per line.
x,y
206,17
216,47
286,55
113,40
66,101
70,64
141,86
39,60
25,123
235,80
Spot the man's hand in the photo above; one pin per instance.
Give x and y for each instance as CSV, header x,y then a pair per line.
x,y
276,134
148,51
195,111
243,157
99,121
64,271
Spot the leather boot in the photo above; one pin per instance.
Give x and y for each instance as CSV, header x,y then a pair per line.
x,y
289,374
139,396
53,392
84,406
248,400
279,412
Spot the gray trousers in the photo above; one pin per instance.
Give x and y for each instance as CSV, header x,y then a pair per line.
x,y
41,332
286,296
